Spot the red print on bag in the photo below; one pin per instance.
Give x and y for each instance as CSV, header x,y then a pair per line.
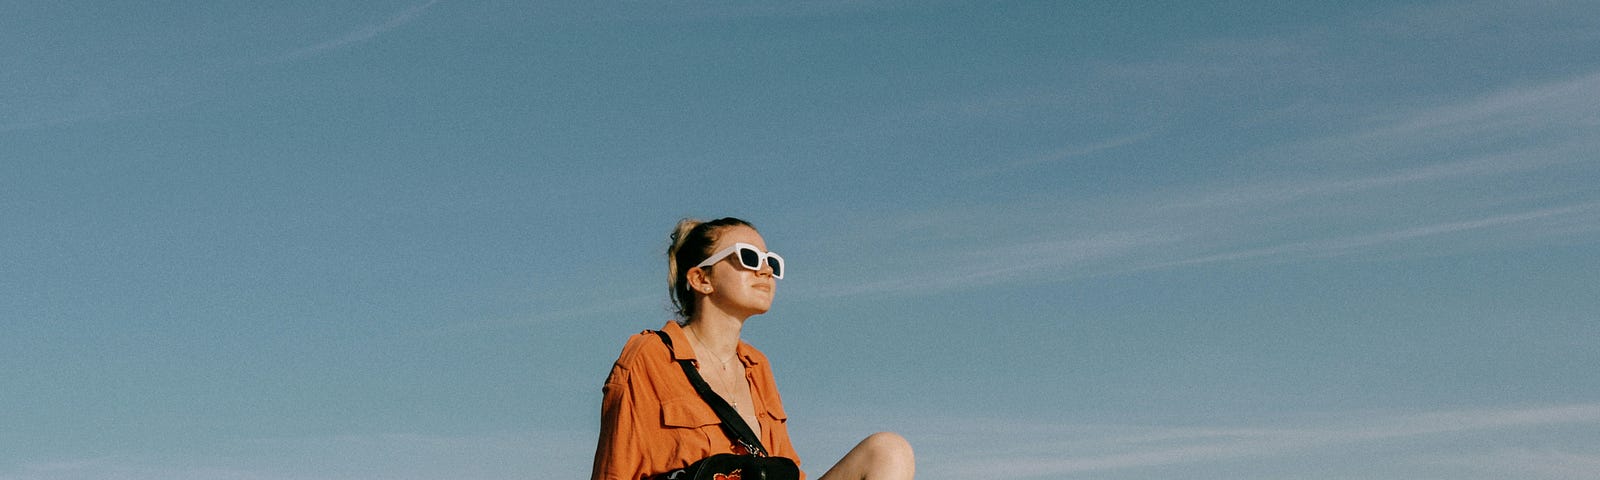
x,y
734,475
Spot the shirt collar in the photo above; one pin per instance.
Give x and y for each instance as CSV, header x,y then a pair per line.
x,y
683,350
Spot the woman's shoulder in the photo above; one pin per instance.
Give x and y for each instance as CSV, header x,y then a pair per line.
x,y
645,346
751,352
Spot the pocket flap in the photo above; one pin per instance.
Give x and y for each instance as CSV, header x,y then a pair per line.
x,y
775,410
687,412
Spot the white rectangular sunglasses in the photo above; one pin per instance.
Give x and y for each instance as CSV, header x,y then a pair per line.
x,y
750,257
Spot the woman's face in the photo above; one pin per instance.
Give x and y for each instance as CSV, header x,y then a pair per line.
x,y
736,289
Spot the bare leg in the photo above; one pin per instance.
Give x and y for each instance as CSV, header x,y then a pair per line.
x,y
882,456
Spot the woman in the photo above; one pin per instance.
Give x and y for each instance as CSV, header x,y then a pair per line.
x,y
651,420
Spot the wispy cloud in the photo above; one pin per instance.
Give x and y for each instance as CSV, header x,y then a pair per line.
x,y
130,92
337,457
1004,262
1508,169
125,468
1354,243
1069,450
359,35
1360,216
1062,154
699,11
1509,111
1549,463
564,311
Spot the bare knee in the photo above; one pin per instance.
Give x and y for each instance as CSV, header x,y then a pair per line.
x,y
891,452
882,456
888,442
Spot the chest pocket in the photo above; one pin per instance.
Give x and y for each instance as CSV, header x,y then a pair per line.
x,y
687,412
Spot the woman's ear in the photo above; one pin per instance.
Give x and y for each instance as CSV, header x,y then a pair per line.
x,y
699,280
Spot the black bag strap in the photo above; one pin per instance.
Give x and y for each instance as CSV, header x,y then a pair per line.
x,y
732,423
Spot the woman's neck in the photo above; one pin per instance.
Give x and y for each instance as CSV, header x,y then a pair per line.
x,y
720,333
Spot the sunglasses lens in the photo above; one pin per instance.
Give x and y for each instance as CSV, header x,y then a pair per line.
x,y
777,266
750,258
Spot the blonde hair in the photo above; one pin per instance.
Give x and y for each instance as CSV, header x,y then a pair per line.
x,y
691,244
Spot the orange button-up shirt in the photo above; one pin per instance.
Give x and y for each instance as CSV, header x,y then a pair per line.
x,y
653,422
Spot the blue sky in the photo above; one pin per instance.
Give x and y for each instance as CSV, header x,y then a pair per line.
x,y
405,239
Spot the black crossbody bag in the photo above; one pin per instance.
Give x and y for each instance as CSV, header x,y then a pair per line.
x,y
756,465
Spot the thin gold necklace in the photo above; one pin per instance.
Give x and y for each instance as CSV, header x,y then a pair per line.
x,y
693,338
